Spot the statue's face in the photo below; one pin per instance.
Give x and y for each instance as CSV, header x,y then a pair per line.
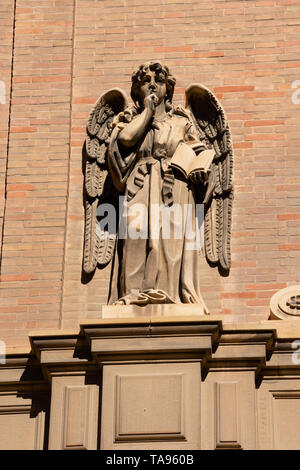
x,y
154,82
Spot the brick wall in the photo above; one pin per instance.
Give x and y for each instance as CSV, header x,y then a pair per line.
x,y
6,47
65,54
37,166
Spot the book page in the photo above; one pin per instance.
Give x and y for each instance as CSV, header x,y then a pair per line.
x,y
202,161
183,158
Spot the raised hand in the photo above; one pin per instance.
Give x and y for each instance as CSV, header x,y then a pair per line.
x,y
135,130
150,103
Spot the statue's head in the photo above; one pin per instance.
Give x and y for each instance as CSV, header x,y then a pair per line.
x,y
158,68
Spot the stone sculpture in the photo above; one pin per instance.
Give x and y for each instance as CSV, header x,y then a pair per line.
x,y
136,157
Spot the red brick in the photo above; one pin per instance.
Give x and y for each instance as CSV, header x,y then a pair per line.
x,y
265,94
29,31
263,123
288,216
16,195
15,277
238,295
84,100
246,264
265,137
23,129
258,302
270,286
173,49
177,14
242,145
289,247
52,78
288,187
21,79
20,187
243,234
75,217
231,89
226,311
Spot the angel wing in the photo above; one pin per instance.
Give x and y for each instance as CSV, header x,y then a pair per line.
x,y
99,243
211,123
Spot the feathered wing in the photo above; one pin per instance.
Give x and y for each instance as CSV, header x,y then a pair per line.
x,y
99,243
212,125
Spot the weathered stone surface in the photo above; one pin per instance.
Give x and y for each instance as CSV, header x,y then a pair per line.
x,y
285,304
173,169
151,310
154,383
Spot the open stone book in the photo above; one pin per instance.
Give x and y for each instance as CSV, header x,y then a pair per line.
x,y
186,161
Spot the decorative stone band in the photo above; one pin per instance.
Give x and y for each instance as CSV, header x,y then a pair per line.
x,y
285,304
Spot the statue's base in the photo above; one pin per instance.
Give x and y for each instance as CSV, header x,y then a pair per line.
x,y
152,310
165,383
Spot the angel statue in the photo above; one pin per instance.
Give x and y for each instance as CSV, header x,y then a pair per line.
x,y
153,155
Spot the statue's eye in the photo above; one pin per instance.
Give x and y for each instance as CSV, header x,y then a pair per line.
x,y
146,79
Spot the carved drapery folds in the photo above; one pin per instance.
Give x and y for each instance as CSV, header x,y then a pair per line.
x,y
128,154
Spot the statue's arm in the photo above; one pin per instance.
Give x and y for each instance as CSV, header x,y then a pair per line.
x,y
135,130
123,144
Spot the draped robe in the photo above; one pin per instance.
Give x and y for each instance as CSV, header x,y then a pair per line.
x,y
156,268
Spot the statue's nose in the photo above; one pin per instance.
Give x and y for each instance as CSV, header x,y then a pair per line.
x,y
152,85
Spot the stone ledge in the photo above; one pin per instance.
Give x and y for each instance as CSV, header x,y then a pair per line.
x,y
152,310
284,328
18,350
260,346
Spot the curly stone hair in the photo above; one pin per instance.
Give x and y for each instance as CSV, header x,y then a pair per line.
x,y
138,75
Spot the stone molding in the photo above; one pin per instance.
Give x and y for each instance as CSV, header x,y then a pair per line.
x,y
77,381
214,344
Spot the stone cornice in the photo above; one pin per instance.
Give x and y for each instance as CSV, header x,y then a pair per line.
x,y
266,348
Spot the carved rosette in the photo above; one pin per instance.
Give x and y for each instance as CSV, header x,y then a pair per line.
x,y
285,304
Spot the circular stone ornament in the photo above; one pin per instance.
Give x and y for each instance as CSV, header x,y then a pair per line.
x,y
285,304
